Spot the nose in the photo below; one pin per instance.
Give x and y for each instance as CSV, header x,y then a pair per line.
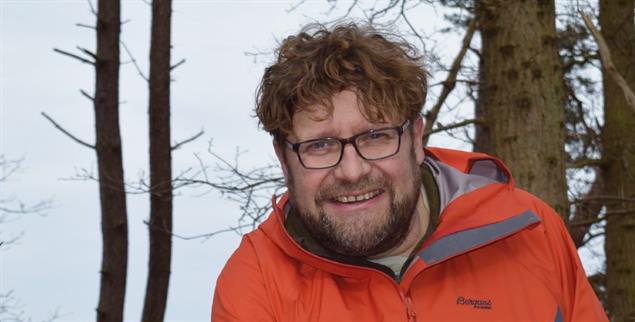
x,y
352,167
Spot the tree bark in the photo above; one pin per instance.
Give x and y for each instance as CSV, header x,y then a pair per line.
x,y
482,141
114,222
160,226
522,96
618,154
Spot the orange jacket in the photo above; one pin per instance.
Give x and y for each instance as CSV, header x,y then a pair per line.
x,y
497,254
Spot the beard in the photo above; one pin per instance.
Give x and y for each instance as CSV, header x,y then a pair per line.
x,y
362,235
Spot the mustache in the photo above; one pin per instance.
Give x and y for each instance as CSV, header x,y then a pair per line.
x,y
340,188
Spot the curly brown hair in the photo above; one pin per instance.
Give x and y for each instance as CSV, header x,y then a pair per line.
x,y
383,69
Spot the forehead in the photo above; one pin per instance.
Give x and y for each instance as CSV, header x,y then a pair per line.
x,y
346,120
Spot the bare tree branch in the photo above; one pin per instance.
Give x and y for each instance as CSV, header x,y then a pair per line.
x,y
85,26
88,96
584,162
59,127
402,13
192,138
92,7
378,14
452,126
587,209
622,212
37,208
12,209
87,52
350,8
295,6
250,188
207,236
134,62
8,167
450,81
81,59
607,63
604,198
181,62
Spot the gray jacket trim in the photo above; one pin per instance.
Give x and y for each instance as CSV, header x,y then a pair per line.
x,y
463,241
453,183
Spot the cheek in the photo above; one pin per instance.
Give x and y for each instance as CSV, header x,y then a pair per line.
x,y
400,171
396,169
305,184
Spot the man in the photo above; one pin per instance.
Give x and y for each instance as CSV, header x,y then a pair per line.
x,y
376,228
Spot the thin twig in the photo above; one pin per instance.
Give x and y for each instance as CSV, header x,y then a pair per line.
x,y
412,28
81,59
296,6
87,52
92,8
85,26
181,62
600,218
212,234
134,62
603,198
59,127
453,126
607,63
88,96
587,209
583,162
350,8
375,15
192,138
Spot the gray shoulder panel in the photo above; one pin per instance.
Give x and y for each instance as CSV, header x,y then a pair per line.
x,y
463,241
453,183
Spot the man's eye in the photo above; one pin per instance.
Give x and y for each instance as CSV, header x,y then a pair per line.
x,y
376,136
320,146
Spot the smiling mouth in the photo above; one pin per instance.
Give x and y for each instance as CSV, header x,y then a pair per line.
x,y
357,198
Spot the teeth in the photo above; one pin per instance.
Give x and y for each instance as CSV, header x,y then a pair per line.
x,y
366,196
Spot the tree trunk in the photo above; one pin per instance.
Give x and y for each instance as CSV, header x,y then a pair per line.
x,y
522,97
114,222
618,139
482,142
160,226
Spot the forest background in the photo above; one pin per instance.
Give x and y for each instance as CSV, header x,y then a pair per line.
x,y
522,80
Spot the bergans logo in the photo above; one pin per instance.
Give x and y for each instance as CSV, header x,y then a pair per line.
x,y
485,304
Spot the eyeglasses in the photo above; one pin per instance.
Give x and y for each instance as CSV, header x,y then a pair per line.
x,y
371,145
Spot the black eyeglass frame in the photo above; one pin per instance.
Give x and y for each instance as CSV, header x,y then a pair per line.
x,y
343,142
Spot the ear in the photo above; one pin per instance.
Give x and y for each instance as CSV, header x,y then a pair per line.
x,y
417,138
280,150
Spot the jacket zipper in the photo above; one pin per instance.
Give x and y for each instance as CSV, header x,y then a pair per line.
x,y
410,311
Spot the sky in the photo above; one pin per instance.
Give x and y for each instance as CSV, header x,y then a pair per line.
x,y
55,265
